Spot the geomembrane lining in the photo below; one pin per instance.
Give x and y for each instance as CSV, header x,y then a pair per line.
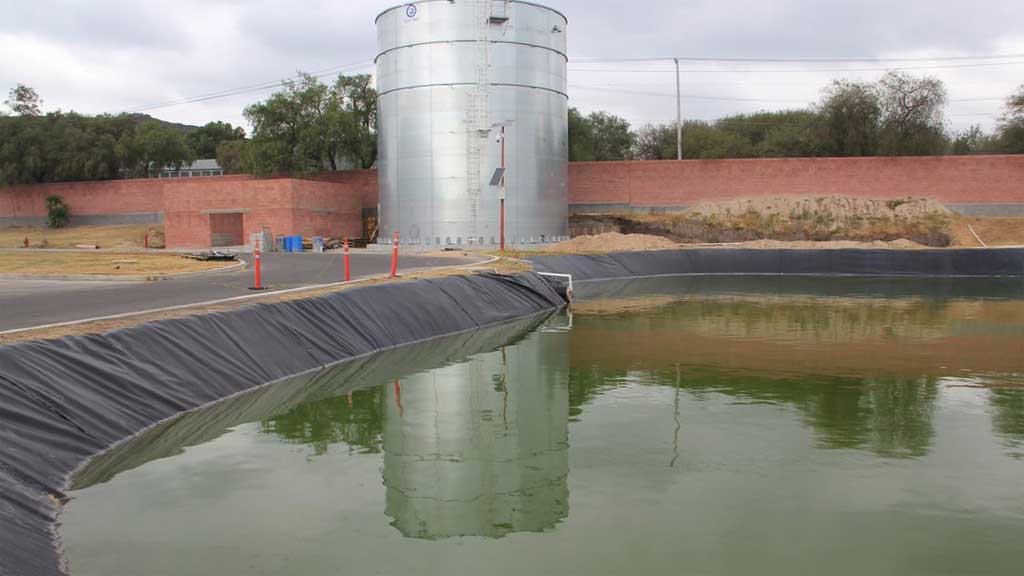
x,y
935,263
64,401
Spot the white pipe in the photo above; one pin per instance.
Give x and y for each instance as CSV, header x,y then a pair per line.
x,y
564,276
978,238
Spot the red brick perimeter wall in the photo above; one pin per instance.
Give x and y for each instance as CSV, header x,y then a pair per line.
x,y
330,204
952,180
330,207
85,198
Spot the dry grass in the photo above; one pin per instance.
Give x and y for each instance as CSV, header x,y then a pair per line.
x,y
993,231
98,327
100,263
114,237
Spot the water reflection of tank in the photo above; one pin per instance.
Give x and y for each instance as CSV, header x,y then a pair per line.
x,y
481,448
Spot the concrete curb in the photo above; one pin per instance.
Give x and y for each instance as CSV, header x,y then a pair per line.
x,y
240,265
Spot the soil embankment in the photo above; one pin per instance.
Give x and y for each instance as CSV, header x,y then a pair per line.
x,y
908,223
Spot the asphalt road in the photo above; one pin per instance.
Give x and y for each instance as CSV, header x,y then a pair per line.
x,y
28,303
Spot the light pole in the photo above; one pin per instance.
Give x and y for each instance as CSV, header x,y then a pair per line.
x,y
501,193
500,182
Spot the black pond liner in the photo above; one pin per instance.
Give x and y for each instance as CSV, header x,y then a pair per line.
x,y
64,401
1008,262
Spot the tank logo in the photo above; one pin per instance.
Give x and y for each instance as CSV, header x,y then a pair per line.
x,y
411,10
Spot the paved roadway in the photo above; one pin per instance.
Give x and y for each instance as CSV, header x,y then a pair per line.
x,y
27,303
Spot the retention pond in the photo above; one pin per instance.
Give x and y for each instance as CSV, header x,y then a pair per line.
x,y
668,426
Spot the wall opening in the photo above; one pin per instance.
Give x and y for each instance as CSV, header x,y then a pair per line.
x,y
227,229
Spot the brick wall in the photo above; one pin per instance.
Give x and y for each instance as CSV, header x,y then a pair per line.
x,y
952,180
327,209
24,205
362,183
188,204
330,204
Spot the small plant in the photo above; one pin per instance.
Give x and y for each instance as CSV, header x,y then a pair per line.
x,y
58,215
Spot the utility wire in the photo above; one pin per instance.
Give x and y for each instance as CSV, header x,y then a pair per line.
x,y
247,89
794,60
607,88
790,70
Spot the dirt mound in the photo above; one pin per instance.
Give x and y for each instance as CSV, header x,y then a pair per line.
x,y
612,242
900,244
832,211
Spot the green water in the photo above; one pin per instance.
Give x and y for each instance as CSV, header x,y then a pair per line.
x,y
668,427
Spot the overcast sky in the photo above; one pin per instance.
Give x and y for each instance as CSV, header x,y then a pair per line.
x,y
98,56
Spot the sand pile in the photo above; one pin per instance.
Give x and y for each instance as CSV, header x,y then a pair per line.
x,y
612,242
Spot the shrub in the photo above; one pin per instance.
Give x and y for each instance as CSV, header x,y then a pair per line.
x,y
58,215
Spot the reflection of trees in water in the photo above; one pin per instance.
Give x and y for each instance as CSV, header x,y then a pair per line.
x,y
892,418
1008,414
356,420
901,417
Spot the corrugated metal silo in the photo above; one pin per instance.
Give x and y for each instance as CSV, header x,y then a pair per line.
x,y
451,74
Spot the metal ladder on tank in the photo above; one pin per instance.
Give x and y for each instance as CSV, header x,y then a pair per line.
x,y
478,126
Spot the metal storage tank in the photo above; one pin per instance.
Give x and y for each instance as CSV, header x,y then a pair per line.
x,y
451,74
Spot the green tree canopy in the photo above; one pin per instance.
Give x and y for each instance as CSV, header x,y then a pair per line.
x,y
598,137
24,101
850,116
230,156
153,147
205,140
309,127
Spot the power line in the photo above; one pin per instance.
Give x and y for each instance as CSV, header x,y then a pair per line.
x,y
791,70
246,89
793,60
606,88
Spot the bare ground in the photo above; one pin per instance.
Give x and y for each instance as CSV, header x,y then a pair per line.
x,y
107,237
31,263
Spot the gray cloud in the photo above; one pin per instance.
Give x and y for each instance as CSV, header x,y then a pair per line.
x,y
103,55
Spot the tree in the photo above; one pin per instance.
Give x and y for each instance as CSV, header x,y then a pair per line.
x,y
231,155
309,127
850,116
153,147
706,142
913,121
598,137
1010,138
24,101
206,139
581,137
971,141
655,142
359,98
613,139
58,214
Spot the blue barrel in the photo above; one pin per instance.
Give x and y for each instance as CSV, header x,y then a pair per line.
x,y
298,243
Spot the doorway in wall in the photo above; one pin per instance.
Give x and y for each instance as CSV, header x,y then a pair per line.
x,y
227,229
